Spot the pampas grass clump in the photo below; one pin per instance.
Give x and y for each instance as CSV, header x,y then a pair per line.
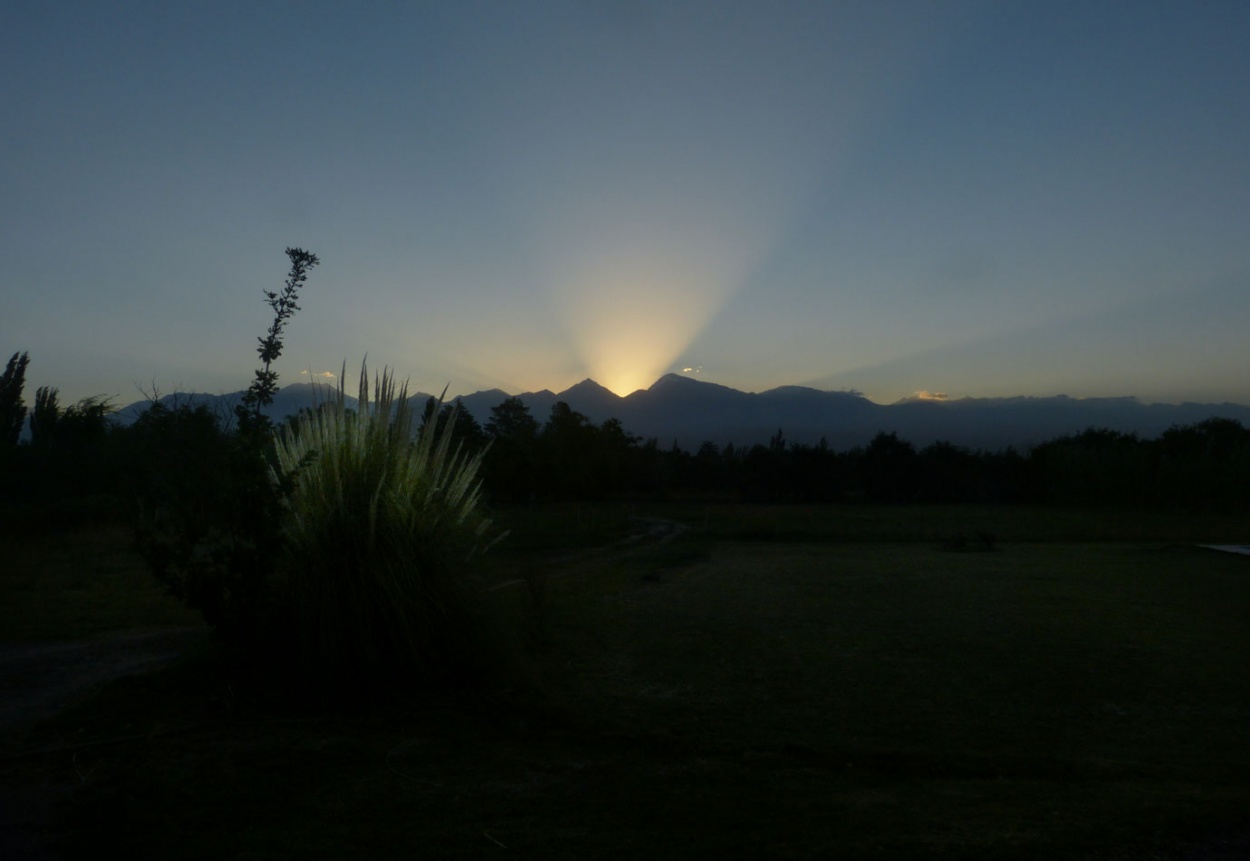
x,y
380,530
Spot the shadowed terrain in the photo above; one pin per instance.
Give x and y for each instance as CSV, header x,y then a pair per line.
x,y
773,681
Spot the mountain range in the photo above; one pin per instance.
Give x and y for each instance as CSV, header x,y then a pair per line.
x,y
688,411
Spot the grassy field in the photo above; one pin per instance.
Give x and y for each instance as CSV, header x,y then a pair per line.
x,y
772,682
59,586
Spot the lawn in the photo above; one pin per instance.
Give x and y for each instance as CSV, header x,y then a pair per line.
x,y
77,584
772,682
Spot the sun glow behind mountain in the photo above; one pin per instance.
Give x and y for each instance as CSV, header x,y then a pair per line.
x,y
634,275
629,316
644,199
521,196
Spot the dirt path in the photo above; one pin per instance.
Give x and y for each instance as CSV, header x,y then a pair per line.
x,y
38,680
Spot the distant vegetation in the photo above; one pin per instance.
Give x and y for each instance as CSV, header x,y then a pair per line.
x,y
251,524
1202,466
77,464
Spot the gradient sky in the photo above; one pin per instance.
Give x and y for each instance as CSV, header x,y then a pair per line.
x,y
974,198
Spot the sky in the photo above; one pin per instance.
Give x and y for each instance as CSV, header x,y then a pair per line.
x,y
956,198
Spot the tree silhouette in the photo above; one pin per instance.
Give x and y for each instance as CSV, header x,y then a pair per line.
x,y
567,441
12,410
510,468
511,420
44,416
69,470
1098,465
891,469
464,428
613,459
1203,465
947,473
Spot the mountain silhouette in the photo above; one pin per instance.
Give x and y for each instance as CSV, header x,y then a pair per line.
x,y
689,412
288,401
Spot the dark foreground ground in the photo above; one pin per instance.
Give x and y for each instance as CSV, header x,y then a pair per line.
x,y
836,682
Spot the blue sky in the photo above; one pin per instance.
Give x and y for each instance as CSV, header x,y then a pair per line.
x,y
977,199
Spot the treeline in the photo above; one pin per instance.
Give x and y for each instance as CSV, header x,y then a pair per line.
x,y
79,464
69,459
1199,466
1204,466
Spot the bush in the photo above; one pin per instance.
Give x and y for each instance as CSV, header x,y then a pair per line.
x,y
209,513
379,532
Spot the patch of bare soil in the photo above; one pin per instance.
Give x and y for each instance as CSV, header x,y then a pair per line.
x,y
39,680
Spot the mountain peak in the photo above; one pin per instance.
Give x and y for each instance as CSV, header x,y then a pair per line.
x,y
589,387
672,380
